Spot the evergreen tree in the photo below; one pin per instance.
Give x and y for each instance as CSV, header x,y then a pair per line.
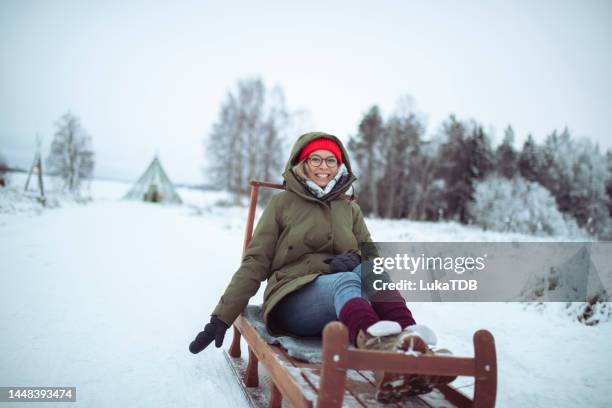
x,y
505,155
528,160
455,169
368,155
482,160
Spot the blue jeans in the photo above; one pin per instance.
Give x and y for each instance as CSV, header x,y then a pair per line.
x,y
306,311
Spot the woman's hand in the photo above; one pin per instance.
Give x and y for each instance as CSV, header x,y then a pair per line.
x,y
215,330
344,262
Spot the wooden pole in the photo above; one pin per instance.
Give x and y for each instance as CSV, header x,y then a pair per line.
x,y
251,376
251,216
40,179
333,376
234,350
485,358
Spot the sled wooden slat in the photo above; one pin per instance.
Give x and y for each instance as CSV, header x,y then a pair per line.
x,y
365,392
360,390
433,365
344,377
311,374
286,384
363,389
349,399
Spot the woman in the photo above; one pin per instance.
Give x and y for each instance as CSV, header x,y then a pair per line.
x,y
307,246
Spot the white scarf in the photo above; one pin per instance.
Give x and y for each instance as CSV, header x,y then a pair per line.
x,y
320,192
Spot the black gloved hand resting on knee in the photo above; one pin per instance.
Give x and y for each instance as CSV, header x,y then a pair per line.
x,y
344,262
215,330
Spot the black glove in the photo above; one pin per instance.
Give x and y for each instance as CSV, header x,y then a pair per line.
x,y
344,262
215,330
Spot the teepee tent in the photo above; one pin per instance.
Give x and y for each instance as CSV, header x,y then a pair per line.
x,y
154,186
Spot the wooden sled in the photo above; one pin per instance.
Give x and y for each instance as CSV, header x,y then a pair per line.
x,y
345,375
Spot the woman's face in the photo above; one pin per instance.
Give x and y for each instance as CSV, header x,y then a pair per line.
x,y
323,173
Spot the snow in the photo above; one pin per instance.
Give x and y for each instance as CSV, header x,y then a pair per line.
x,y
544,359
384,328
106,296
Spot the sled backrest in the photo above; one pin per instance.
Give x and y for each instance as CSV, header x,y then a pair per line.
x,y
248,233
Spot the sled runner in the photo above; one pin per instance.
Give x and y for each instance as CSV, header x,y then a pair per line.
x,y
344,376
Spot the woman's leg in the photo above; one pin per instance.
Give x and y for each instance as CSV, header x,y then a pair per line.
x,y
388,304
307,311
394,308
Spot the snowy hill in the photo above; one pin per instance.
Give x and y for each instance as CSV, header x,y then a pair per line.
x,y
107,295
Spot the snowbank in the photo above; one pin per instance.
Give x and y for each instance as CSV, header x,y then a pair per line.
x,y
107,296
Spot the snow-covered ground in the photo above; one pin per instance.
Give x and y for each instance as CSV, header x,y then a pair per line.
x,y
107,295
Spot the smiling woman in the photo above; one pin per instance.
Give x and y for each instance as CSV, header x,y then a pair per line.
x,y
307,246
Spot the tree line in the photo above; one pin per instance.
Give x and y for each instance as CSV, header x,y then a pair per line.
x,y
456,174
449,176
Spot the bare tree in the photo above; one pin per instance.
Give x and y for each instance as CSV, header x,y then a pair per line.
x,y
246,140
71,156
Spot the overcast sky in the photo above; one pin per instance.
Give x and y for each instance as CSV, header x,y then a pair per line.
x,y
148,76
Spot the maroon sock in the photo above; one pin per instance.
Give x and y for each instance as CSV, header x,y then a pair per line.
x,y
357,314
394,308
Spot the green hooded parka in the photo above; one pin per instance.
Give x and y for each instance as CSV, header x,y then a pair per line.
x,y
293,236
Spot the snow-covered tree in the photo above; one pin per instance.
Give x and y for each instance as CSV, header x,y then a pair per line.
x,y
71,156
528,161
519,205
575,172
